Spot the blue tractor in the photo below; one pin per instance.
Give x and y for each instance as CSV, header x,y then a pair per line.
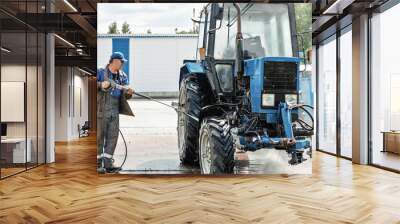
x,y
242,93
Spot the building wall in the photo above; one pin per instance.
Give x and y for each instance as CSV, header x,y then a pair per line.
x,y
154,60
71,102
61,103
104,49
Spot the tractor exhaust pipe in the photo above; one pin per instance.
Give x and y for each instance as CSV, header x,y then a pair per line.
x,y
239,44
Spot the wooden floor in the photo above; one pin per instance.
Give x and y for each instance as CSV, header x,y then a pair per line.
x,y
70,191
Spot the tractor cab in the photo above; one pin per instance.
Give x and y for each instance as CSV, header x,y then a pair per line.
x,y
267,31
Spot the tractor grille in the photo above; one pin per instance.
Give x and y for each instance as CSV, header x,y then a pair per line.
x,y
280,77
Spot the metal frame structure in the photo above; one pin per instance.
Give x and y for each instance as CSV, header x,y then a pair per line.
x,y
337,35
36,164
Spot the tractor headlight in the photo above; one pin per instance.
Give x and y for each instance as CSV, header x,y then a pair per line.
x,y
268,100
291,98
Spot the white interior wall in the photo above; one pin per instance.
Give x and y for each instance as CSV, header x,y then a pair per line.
x,y
80,104
69,81
61,105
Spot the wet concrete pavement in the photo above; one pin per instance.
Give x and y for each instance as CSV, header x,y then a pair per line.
x,y
151,139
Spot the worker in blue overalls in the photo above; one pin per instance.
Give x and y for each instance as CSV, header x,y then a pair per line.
x,y
108,109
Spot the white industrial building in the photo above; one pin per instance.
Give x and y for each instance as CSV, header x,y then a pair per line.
x,y
154,60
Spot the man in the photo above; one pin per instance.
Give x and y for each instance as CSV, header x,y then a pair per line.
x,y
109,101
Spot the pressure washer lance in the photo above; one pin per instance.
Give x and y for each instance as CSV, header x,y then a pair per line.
x,y
173,106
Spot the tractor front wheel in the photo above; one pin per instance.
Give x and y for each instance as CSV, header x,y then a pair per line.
x,y
216,148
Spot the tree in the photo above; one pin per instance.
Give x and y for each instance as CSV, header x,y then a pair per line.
x,y
186,31
125,28
149,31
303,25
113,28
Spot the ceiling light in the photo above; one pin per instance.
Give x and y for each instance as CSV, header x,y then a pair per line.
x,y
64,40
70,5
337,7
79,51
5,50
84,71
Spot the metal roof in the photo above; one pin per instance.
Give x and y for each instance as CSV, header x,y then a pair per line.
x,y
143,35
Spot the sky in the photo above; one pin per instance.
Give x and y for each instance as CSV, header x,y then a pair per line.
x,y
159,17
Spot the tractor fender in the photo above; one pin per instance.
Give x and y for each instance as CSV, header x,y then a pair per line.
x,y
195,69
191,68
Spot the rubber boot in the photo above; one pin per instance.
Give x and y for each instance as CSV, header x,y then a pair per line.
x,y
100,168
109,165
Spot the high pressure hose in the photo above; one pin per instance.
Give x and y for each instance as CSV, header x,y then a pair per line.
x,y
121,87
126,153
301,122
123,138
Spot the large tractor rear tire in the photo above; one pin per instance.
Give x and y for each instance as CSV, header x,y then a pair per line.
x,y
216,148
190,101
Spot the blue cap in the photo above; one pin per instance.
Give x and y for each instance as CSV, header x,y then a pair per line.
x,y
118,55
